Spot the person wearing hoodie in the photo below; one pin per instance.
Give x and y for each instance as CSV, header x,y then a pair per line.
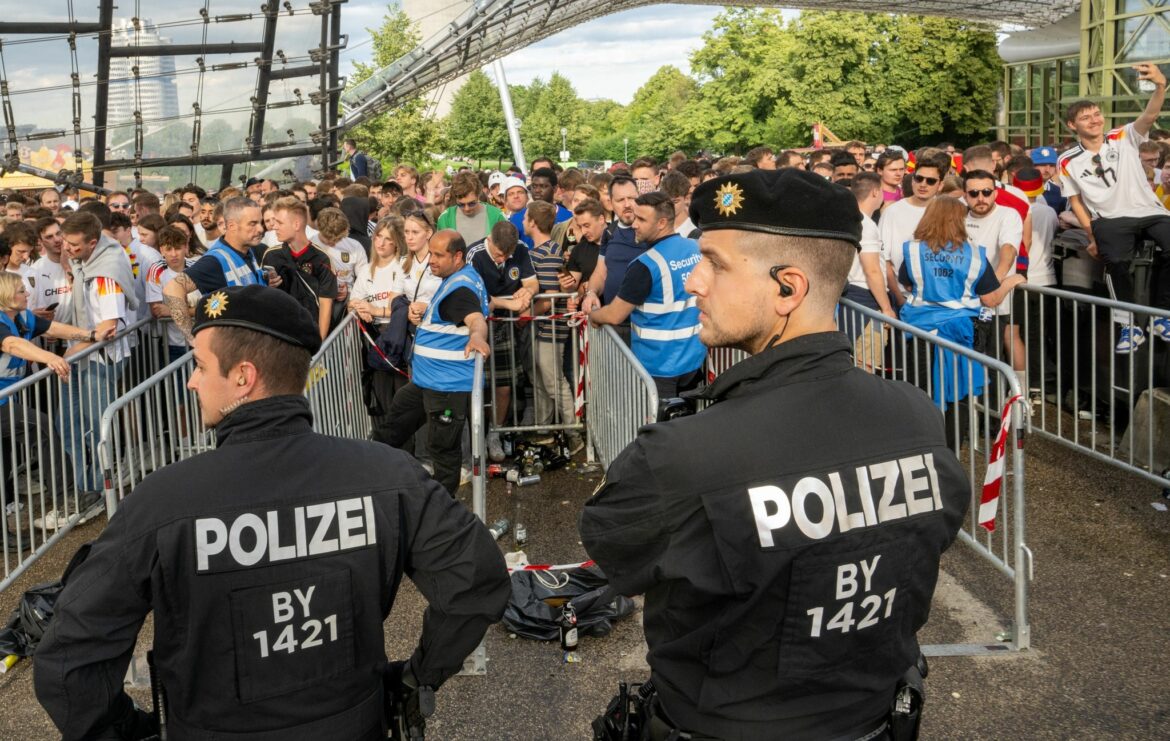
x,y
357,210
104,299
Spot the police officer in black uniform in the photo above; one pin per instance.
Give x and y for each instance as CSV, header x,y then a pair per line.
x,y
787,538
270,563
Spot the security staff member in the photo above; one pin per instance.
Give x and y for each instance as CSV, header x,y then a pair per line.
x,y
664,322
270,563
787,538
452,326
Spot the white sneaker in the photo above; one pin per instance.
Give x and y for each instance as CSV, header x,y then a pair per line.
x,y
54,519
13,508
430,467
495,448
464,475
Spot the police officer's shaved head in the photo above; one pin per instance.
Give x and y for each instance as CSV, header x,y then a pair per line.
x,y
777,248
251,342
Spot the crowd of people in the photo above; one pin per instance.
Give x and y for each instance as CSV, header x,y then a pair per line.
x,y
946,236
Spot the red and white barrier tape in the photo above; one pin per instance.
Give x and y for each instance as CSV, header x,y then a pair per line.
x,y
583,363
993,480
554,567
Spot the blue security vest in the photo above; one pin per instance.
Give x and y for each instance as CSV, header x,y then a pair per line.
x,y
438,362
665,328
943,282
237,270
943,301
12,368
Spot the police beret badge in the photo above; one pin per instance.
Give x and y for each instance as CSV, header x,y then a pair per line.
x,y
728,199
216,304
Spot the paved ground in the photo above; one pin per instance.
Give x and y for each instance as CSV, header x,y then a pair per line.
x,y
1097,669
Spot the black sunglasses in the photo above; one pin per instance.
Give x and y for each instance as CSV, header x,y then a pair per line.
x,y
925,179
976,193
1097,161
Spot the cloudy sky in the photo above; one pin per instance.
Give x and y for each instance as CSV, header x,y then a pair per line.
x,y
609,57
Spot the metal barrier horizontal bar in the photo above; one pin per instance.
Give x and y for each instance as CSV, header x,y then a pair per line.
x,y
1087,394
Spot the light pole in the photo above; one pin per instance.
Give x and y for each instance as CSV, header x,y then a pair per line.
x,y
626,158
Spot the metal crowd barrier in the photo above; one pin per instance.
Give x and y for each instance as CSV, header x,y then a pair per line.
x,y
516,347
335,384
49,444
153,424
949,374
1110,406
621,394
158,421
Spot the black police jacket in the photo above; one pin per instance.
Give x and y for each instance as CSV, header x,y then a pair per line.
x,y
787,539
270,564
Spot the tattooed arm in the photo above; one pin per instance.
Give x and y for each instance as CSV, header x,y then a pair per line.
x,y
175,297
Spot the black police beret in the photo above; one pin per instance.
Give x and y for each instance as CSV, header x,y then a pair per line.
x,y
262,309
788,201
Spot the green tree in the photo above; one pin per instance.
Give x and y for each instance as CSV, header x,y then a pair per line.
x,y
872,77
407,133
655,119
475,125
550,108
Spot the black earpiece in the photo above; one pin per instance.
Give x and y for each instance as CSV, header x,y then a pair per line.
x,y
785,289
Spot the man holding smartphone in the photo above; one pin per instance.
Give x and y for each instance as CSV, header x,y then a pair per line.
x,y
1113,202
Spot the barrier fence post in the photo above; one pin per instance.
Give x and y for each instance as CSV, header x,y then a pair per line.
x,y
476,663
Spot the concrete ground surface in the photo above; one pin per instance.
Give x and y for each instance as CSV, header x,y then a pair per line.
x,y
1097,669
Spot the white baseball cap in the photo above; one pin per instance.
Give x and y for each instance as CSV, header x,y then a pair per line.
x,y
510,183
496,178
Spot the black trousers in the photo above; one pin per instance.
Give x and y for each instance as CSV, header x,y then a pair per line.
x,y
1116,240
669,388
445,413
385,386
